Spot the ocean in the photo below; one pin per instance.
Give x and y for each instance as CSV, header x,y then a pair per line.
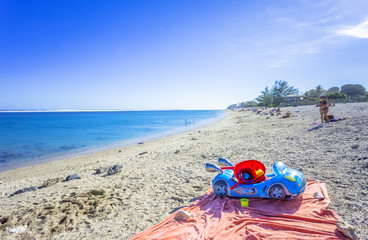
x,y
28,138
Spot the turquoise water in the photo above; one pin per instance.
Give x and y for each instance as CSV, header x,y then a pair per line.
x,y
27,138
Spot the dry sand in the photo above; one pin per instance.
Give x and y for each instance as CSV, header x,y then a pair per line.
x,y
160,176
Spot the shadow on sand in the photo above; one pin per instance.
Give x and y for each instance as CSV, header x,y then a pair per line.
x,y
315,128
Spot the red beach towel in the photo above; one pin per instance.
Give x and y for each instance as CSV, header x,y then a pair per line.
x,y
213,217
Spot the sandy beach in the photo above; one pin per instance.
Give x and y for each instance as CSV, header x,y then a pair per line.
x,y
160,176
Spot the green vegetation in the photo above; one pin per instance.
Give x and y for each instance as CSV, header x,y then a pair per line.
x,y
97,192
281,94
333,89
353,90
315,93
273,96
95,204
336,95
363,98
247,104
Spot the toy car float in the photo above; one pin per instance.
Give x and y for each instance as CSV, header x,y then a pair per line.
x,y
248,179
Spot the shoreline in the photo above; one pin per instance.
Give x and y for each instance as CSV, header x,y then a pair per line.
x,y
118,147
162,175
110,146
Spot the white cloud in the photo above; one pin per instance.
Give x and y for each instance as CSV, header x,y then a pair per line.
x,y
358,31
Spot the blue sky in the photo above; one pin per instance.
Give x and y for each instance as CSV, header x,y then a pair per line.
x,y
185,54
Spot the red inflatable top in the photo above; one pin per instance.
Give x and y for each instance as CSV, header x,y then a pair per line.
x,y
248,171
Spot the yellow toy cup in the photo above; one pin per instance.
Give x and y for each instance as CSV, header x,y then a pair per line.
x,y
244,202
259,173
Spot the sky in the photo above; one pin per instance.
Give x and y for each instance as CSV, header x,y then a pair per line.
x,y
183,54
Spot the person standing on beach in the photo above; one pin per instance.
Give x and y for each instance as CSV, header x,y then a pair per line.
x,y
323,108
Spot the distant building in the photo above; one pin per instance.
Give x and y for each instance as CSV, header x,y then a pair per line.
x,y
291,99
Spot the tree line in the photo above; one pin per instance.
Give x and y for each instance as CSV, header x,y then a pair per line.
x,y
273,96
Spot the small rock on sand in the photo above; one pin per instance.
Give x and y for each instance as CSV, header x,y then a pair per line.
x,y
101,170
114,169
182,215
177,199
73,177
27,189
17,229
319,196
51,182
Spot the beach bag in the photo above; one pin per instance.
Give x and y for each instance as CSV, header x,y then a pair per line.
x,y
330,117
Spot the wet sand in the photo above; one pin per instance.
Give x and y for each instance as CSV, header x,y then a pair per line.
x,y
160,176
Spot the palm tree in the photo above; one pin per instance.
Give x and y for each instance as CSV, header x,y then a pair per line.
x,y
265,98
